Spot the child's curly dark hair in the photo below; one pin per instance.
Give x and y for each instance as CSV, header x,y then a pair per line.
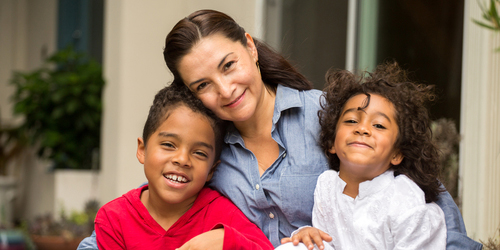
x,y
421,156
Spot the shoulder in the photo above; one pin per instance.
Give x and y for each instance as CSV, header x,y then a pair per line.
x,y
327,181
406,194
121,204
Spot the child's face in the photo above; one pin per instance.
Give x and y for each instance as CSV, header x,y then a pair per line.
x,y
178,157
365,139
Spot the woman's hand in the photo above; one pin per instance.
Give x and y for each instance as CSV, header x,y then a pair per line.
x,y
211,240
309,236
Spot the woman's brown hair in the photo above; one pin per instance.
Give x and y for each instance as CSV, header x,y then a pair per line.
x,y
274,68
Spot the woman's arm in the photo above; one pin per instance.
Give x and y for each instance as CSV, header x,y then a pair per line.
x,y
456,235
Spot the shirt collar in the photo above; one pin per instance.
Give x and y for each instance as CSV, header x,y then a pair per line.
x,y
286,98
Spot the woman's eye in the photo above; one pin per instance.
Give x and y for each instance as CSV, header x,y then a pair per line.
x,y
201,86
228,65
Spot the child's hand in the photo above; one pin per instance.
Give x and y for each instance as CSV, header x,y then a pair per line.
x,y
309,236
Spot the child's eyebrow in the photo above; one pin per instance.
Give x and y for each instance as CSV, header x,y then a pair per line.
x,y
198,143
359,109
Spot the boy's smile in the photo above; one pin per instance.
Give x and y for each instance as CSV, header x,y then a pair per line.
x,y
365,139
178,158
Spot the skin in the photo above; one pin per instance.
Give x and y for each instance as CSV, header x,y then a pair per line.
x,y
364,143
223,74
183,146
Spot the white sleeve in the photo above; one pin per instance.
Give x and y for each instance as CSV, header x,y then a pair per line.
x,y
422,227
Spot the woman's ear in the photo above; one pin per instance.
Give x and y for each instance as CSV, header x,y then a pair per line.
x,y
141,148
397,159
251,47
211,173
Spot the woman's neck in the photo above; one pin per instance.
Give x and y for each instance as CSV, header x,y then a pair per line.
x,y
260,123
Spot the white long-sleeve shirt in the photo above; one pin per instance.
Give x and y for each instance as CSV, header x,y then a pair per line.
x,y
388,213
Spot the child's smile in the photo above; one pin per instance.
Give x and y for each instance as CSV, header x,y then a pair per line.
x,y
178,157
365,138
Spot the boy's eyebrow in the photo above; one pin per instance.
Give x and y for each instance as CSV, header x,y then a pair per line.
x,y
218,66
198,143
356,109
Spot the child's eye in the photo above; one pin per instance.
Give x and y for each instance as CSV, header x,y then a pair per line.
x,y
380,126
350,121
228,65
202,154
168,145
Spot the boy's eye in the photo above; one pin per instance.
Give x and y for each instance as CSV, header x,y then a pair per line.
x,y
168,145
202,154
350,121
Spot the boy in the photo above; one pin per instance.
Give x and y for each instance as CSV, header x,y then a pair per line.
x,y
179,149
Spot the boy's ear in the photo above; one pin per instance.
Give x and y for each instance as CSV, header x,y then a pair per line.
x,y
397,159
332,150
141,148
211,173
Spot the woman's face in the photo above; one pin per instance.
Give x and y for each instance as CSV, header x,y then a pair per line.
x,y
224,76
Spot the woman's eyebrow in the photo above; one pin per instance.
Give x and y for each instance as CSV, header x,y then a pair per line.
x,y
224,59
218,66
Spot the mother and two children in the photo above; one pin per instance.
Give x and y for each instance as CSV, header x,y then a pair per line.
x,y
240,152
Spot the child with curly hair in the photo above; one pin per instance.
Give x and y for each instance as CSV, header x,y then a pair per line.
x,y
380,193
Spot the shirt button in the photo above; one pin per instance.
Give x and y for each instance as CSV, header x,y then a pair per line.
x,y
284,155
257,186
271,215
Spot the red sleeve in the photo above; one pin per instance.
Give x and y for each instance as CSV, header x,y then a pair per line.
x,y
240,233
107,237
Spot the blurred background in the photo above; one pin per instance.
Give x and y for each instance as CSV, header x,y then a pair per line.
x,y
77,78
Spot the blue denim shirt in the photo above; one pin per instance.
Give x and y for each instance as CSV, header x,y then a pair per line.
x,y
281,200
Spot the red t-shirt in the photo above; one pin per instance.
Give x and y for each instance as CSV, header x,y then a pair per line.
x,y
125,223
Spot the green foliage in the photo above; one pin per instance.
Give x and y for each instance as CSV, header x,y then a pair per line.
x,y
61,104
491,17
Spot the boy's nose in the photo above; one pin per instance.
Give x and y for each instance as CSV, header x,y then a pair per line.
x,y
362,129
181,158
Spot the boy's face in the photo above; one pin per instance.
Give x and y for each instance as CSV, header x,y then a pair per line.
x,y
178,157
365,138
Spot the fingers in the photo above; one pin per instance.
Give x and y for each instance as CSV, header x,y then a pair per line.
x,y
285,240
325,236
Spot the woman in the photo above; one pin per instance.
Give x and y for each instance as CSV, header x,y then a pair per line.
x,y
271,160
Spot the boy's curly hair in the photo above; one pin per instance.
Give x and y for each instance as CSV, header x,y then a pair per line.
x,y
421,156
173,96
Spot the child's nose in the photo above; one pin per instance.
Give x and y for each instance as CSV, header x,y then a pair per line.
x,y
181,158
363,129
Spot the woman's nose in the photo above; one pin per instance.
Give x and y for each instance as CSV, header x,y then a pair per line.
x,y
225,88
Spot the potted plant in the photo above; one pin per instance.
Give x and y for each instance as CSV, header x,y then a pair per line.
x,y
61,105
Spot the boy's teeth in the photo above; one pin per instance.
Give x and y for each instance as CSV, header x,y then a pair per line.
x,y
176,178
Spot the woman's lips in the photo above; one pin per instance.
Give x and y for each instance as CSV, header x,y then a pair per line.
x,y
236,101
